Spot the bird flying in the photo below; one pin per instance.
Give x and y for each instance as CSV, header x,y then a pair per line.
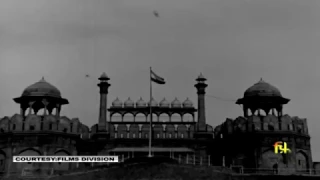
x,y
155,13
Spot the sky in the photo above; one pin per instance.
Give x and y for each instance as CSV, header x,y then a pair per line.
x,y
233,43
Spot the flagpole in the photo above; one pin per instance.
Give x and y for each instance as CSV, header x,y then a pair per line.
x,y
150,128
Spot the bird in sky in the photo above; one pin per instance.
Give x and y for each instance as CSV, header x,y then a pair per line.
x,y
87,75
155,13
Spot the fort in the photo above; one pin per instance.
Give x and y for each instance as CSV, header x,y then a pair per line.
x,y
179,130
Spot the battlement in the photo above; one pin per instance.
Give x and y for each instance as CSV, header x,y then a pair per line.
x,y
269,123
47,123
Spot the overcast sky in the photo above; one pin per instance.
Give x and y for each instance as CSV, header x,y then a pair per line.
x,y
232,42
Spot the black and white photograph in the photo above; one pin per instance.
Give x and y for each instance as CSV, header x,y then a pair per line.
x,y
159,89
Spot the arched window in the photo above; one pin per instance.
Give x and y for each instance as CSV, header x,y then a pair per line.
x,y
14,127
133,135
50,126
182,136
158,135
170,136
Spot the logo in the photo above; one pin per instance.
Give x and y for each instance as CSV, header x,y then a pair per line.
x,y
281,147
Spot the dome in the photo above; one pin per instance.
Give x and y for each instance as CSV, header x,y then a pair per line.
x,y
187,103
164,103
153,102
128,103
42,88
117,103
262,89
141,103
175,103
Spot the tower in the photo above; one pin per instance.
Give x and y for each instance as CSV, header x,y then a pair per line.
x,y
41,95
201,86
104,86
262,96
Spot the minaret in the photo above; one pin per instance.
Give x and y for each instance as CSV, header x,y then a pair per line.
x,y
104,86
201,86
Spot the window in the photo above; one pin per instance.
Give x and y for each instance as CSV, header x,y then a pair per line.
x,y
158,135
14,127
31,128
2,130
133,135
181,135
50,126
169,135
115,135
65,130
221,136
121,135
1,162
146,135
299,162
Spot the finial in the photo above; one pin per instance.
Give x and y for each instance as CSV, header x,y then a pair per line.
x,y
261,80
104,77
201,78
42,79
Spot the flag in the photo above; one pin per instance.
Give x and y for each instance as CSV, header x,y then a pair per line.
x,y
157,79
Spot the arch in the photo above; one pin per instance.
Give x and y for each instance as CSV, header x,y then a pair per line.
x,y
64,124
122,131
302,161
269,158
28,152
61,166
158,131
49,123
257,123
16,122
84,131
170,131
4,124
175,117
2,161
164,117
182,131
116,117
140,117
262,112
187,117
134,131
155,118
128,117
145,131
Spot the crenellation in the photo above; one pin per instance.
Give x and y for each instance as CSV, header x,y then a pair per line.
x,y
175,126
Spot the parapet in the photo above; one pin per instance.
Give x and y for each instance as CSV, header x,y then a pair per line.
x,y
262,123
